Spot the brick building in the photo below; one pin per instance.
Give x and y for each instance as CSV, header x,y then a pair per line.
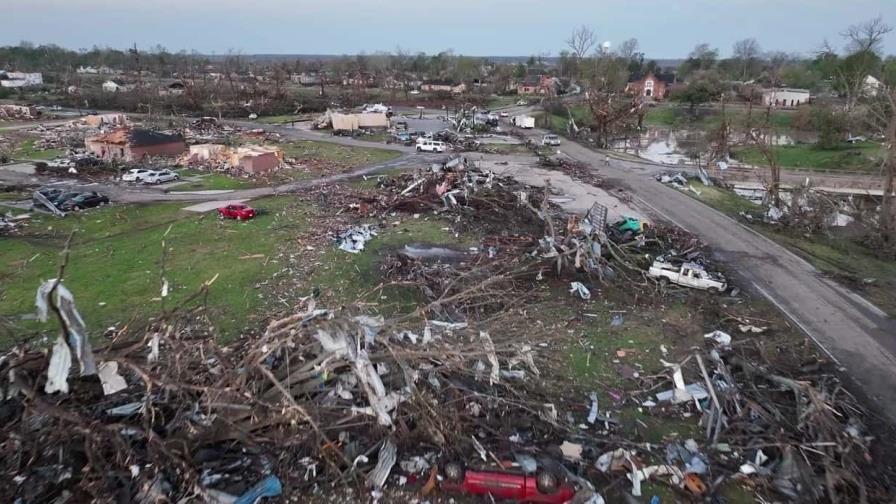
x,y
135,144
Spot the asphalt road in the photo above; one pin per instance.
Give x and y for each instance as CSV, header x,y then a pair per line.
x,y
852,331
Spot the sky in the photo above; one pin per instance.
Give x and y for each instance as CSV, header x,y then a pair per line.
x,y
664,28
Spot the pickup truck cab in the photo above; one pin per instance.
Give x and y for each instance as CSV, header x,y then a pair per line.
x,y
687,274
428,145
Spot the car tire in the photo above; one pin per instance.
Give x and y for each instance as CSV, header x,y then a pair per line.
x,y
546,482
664,281
454,472
419,149
713,290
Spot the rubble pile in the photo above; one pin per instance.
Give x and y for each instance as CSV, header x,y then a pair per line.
x,y
464,394
68,136
10,112
575,169
333,403
208,130
12,224
168,413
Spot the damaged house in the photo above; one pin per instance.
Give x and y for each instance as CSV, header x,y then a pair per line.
x,y
249,159
256,159
20,79
443,86
135,144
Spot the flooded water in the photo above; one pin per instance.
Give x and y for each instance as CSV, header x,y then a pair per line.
x,y
680,146
433,253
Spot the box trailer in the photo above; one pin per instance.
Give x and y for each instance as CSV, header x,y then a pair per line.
x,y
523,121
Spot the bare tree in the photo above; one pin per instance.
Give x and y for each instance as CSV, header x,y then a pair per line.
x,y
863,46
628,49
882,118
612,110
581,42
759,133
867,36
776,61
746,51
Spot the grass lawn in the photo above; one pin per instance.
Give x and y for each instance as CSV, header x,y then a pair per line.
x,y
26,150
114,265
864,156
673,115
502,101
349,156
841,257
215,181
346,277
558,122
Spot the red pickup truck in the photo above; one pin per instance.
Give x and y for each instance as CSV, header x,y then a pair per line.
x,y
236,211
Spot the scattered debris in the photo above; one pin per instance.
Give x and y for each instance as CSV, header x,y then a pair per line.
x,y
352,240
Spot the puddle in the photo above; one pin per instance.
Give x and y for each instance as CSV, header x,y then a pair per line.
x,y
677,146
432,253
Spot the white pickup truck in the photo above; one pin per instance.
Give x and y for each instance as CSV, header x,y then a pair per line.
x,y
687,274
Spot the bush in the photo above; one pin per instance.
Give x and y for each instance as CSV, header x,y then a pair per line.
x,y
831,127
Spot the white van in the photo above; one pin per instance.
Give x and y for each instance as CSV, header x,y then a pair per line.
x,y
429,145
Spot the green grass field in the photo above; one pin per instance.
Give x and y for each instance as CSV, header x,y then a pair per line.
x,y
115,260
862,157
349,156
215,181
674,115
27,150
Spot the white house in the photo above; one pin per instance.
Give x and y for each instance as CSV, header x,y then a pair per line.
x,y
785,97
20,79
871,86
112,87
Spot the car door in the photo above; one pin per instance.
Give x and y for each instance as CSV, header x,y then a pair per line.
x,y
688,277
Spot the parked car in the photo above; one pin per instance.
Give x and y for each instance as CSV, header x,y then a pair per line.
x,y
236,211
522,103
57,199
50,193
426,145
688,274
135,175
83,200
414,91
158,177
552,140
504,114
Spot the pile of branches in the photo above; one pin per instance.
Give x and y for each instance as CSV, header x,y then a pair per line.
x,y
575,169
470,197
792,432
169,413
